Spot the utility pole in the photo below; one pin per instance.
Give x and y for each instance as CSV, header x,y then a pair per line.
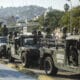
x,y
70,15
66,8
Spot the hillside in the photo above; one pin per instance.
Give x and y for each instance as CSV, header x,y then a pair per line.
x,y
23,12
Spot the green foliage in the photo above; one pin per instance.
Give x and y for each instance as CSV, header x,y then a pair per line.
x,y
65,19
41,20
75,18
51,20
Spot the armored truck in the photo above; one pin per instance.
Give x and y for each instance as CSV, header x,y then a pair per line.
x,y
24,48
65,55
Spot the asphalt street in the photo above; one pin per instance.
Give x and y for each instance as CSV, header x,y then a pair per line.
x,y
7,73
15,71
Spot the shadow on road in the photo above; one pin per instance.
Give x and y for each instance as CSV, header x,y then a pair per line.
x,y
73,77
62,75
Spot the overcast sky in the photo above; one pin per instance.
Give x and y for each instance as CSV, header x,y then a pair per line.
x,y
56,4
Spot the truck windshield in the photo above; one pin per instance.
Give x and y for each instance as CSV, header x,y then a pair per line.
x,y
28,41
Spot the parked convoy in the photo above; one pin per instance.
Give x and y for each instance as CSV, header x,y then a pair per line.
x,y
47,53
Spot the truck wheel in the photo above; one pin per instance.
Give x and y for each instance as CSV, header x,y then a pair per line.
x,y
49,67
24,59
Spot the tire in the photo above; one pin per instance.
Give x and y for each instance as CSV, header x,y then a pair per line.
x,y
24,59
49,67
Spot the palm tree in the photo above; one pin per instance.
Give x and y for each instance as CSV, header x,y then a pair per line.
x,y
66,7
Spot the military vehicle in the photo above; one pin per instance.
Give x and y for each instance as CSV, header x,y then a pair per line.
x,y
20,46
49,54
65,55
3,46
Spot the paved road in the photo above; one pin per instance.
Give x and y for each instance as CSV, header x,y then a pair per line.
x,y
7,73
62,75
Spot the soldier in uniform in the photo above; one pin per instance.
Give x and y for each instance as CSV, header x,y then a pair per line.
x,y
75,31
64,32
34,36
4,31
39,36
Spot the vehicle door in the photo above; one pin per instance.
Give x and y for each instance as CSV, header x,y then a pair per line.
x,y
60,55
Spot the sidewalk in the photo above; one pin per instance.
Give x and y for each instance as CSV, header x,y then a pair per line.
x,y
7,73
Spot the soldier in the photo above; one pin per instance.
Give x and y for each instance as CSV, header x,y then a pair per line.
x,y
74,54
64,32
4,31
34,36
75,31
39,37
10,35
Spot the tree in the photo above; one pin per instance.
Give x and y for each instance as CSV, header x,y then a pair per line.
x,y
41,20
65,20
51,20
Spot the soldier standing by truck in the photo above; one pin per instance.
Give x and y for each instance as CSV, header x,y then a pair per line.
x,y
39,36
75,31
35,36
4,31
3,41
